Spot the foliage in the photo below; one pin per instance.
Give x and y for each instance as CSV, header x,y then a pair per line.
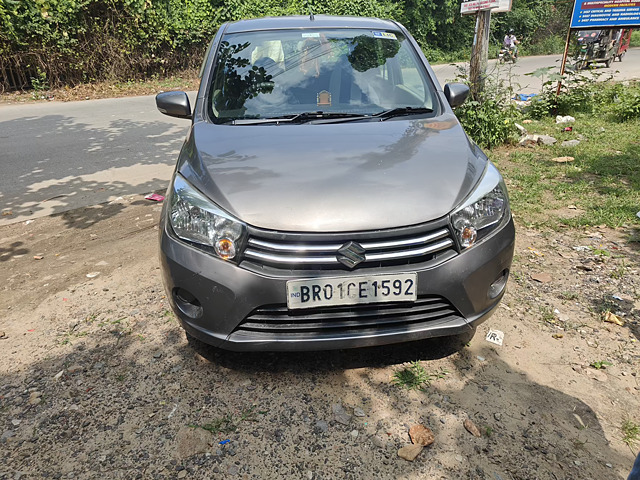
x,y
600,364
584,92
489,120
627,106
540,25
75,41
415,377
630,432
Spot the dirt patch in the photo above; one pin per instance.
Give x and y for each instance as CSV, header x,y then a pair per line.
x,y
186,81
98,378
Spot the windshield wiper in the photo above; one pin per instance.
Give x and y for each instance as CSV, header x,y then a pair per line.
x,y
381,116
400,111
297,118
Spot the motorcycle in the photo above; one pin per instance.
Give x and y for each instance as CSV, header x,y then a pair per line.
x,y
507,55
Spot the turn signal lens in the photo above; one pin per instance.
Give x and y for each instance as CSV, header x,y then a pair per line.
x,y
225,248
468,236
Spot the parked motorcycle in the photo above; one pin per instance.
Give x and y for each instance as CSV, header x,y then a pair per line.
x,y
507,55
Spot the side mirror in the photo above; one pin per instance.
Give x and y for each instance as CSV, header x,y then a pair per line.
x,y
456,93
174,104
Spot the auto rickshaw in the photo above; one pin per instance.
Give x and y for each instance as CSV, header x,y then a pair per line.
x,y
597,46
623,42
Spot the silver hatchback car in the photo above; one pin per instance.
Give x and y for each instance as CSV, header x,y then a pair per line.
x,y
326,195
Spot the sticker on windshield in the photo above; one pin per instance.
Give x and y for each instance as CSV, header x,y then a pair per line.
x,y
390,36
311,35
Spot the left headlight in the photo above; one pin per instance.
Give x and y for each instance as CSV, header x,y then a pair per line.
x,y
196,219
483,211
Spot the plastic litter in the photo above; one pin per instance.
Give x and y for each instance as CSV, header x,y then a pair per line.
x,y
524,97
224,442
565,119
155,197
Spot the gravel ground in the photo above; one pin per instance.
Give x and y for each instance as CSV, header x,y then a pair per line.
x,y
99,380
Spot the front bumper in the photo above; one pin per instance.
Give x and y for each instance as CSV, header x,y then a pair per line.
x,y
223,298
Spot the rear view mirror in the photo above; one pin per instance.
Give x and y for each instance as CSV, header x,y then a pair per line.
x,y
456,93
174,104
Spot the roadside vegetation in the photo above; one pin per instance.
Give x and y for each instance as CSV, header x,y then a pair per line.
x,y
589,176
65,43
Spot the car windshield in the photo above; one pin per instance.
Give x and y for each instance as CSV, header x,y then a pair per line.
x,y
338,72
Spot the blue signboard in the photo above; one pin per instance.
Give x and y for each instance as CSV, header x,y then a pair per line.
x,y
612,13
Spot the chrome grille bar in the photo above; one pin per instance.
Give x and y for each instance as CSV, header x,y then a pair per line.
x,y
293,253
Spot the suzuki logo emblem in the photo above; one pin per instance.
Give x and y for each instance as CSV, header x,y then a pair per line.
x,y
351,254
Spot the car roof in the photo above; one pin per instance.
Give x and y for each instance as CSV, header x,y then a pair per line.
x,y
305,22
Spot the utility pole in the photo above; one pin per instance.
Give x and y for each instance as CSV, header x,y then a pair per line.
x,y
480,53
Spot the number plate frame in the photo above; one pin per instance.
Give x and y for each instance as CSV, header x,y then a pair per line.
x,y
352,290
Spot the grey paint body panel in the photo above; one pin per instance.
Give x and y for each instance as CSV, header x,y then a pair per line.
x,y
335,177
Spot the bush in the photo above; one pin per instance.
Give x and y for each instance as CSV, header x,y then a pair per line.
x,y
627,105
66,42
488,122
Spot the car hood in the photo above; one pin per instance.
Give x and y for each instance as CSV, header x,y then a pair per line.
x,y
334,177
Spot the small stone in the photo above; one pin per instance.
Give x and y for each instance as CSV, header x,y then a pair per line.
x,y
3,335
74,368
157,355
15,422
608,465
34,398
232,470
38,257
93,274
410,452
577,463
547,140
354,434
541,277
192,441
460,458
358,412
321,427
182,474
379,441
340,415
570,143
7,435
526,122
497,416
471,428
421,435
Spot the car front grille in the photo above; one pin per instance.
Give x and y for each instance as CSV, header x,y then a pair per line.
x,y
280,322
294,251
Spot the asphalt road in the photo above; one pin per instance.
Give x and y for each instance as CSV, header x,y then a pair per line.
x,y
58,156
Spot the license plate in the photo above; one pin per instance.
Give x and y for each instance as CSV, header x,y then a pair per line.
x,y
325,292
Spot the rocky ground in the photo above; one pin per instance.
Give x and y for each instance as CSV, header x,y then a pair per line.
x,y
97,378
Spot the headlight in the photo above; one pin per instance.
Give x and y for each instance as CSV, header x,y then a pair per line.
x,y
196,219
483,211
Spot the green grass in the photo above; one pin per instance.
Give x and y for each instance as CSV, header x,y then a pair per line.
x,y
603,182
630,432
635,38
230,422
415,377
600,364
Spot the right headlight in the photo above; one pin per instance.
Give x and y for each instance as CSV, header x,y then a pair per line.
x,y
197,219
483,211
